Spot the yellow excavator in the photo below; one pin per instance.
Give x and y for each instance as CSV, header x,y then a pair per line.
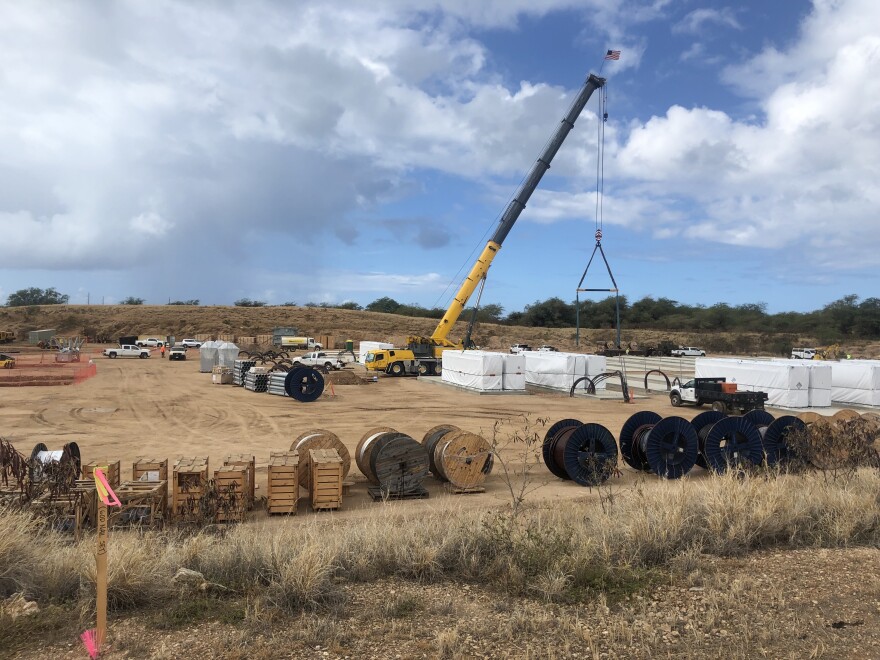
x,y
423,355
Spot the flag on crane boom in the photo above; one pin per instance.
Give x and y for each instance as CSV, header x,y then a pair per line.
x,y
612,55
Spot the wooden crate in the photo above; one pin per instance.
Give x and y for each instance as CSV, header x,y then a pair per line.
x,y
142,503
189,478
283,492
231,483
325,478
72,511
112,472
248,462
144,465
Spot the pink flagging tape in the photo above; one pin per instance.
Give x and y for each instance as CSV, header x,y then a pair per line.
x,y
108,497
90,639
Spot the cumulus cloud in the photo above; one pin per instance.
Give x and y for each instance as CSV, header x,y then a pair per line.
x,y
802,173
694,22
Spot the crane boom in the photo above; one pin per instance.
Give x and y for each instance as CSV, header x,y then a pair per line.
x,y
512,213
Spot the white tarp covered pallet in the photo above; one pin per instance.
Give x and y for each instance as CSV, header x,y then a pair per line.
x,y
208,356
513,378
559,371
367,346
476,370
786,385
819,390
856,382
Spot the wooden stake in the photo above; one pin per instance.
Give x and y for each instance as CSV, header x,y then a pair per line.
x,y
101,572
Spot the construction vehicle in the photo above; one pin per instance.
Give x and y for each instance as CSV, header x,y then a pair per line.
x,y
832,352
423,355
7,336
7,361
721,395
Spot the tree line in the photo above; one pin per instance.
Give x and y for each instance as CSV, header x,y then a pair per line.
x,y
848,317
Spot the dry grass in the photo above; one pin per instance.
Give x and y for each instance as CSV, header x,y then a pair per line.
x,y
573,552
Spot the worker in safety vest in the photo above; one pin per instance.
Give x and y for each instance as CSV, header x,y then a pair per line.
x,y
162,350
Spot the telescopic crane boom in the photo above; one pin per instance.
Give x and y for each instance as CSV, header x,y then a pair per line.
x,y
511,214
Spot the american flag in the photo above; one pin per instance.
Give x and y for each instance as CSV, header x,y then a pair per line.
x,y
612,55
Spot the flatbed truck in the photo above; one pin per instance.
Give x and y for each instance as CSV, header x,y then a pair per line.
x,y
701,391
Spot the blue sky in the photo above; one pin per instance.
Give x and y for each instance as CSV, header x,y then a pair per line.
x,y
331,152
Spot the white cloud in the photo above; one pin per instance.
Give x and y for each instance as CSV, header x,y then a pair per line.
x,y
695,21
805,173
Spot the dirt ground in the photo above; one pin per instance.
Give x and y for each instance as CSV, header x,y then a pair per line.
x,y
164,409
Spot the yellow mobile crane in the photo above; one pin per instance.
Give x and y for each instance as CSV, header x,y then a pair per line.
x,y
422,355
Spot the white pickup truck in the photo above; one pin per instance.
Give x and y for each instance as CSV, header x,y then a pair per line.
x,y
127,350
318,359
803,353
687,351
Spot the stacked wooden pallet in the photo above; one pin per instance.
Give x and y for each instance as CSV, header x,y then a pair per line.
x,y
150,469
189,479
142,503
283,493
112,470
248,462
325,479
231,486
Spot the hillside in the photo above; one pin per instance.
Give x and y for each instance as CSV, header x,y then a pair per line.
x,y
117,320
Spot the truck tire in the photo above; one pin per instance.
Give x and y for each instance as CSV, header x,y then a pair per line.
x,y
438,369
397,369
143,356
112,355
328,366
675,399
719,406
423,369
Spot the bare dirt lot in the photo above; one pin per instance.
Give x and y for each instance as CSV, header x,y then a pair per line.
x,y
785,604
166,409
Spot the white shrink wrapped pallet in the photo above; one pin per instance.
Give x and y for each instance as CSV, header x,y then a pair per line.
x,y
367,346
559,371
856,382
476,370
513,377
819,389
786,385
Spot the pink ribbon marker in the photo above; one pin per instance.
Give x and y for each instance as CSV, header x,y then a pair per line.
x,y
90,639
108,497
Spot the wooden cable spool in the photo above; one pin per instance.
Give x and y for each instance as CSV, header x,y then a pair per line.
x,y
462,458
432,437
845,414
365,447
392,460
319,439
809,417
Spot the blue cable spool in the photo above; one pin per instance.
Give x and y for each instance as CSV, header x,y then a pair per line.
x,y
702,423
671,447
636,425
733,441
561,430
775,439
589,454
762,420
304,384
